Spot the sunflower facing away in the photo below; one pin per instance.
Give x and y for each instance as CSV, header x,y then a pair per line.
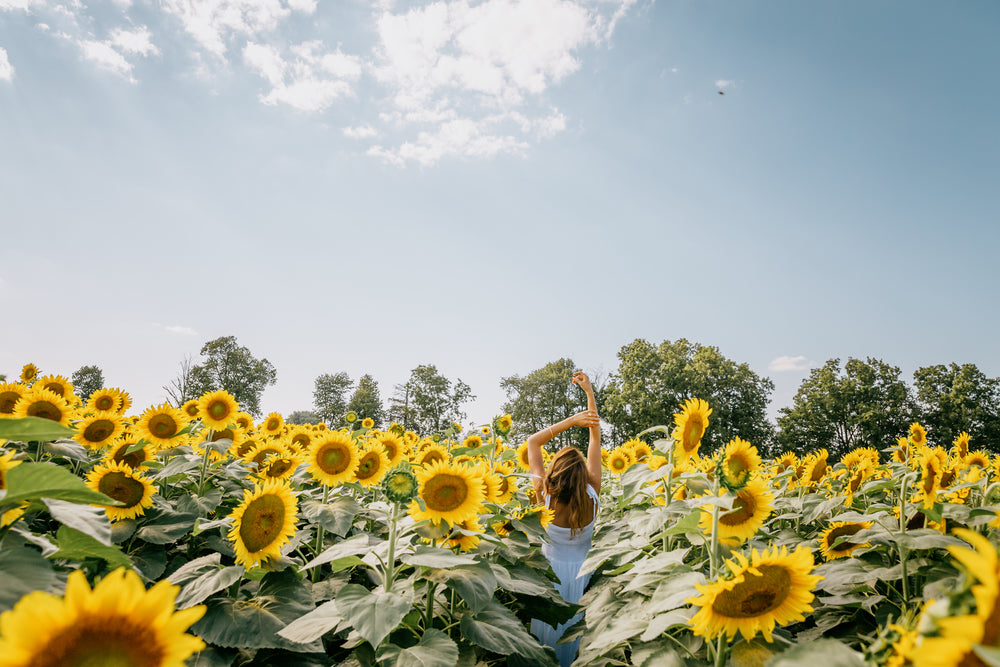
x,y
121,483
690,424
449,492
751,508
160,425
771,588
117,623
218,409
828,540
45,404
332,458
739,463
263,522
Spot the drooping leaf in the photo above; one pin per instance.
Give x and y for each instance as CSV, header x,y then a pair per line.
x,y
435,649
86,518
32,429
372,614
22,570
826,652
313,625
497,629
150,560
359,545
33,481
429,556
77,546
475,584
207,584
164,526
336,516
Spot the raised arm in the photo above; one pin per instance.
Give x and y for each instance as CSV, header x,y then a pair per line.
x,y
536,464
594,447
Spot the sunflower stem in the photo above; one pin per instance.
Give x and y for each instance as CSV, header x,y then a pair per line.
x,y
713,552
429,614
390,561
204,463
38,451
902,531
320,533
720,651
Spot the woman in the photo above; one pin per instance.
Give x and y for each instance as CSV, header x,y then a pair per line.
x,y
570,488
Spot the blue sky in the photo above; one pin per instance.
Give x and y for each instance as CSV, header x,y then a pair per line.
x,y
491,185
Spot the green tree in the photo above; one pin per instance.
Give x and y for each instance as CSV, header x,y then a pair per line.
x,y
653,381
232,367
330,397
86,380
543,397
866,405
302,417
429,402
954,398
366,402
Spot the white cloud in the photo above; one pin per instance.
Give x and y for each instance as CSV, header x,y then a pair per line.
x,y
134,41
104,56
177,329
6,69
782,364
22,5
213,22
461,137
722,84
360,132
312,81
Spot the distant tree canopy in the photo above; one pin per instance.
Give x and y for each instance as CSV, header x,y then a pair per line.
x,y
953,398
302,417
543,397
365,401
230,366
330,397
653,381
429,402
86,380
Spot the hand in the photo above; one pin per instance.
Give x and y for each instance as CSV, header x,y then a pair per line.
x,y
580,378
586,419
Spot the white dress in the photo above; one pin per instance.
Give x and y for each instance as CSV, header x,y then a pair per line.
x,y
566,554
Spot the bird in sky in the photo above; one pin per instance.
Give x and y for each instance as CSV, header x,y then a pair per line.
x,y
721,92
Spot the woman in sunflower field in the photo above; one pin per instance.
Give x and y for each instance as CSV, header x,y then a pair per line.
x,y
570,488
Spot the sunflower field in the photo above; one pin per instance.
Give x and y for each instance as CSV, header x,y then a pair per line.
x,y
195,536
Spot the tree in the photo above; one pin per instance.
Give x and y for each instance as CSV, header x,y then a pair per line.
x,y
429,402
954,398
330,397
302,417
543,397
652,382
867,405
183,387
86,380
233,367
365,401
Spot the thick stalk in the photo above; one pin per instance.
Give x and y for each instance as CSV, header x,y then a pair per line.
x,y
713,552
320,534
429,613
903,551
390,561
720,650
204,463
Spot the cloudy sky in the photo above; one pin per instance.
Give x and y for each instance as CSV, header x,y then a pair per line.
x,y
490,185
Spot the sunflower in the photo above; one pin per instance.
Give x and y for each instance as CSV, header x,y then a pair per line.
x,y
105,400
918,435
502,425
448,492
160,425
400,484
373,465
118,622
393,445
6,463
508,483
244,420
740,462
300,438
263,522
522,456
431,454
272,424
460,540
45,404
978,458
860,456
491,482
98,430
281,467
544,514
10,393
957,635
351,417
261,453
930,479
136,459
961,445
689,426
771,588
28,373
332,458
784,462
217,409
57,384
751,508
901,452
473,441
838,529
856,478
814,468
618,461
120,482
191,409
367,423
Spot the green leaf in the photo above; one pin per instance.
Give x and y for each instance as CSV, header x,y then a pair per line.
x,y
202,578
67,449
165,526
435,649
23,570
522,579
826,652
336,516
988,654
475,584
359,545
254,623
31,429
689,524
429,556
150,560
86,518
373,614
32,481
77,546
201,506
177,465
497,629
313,625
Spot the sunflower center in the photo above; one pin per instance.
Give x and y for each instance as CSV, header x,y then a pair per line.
x,y
223,434
103,642
444,492
279,467
7,401
839,532
45,410
743,509
272,425
262,455
390,449
104,403
163,426
333,459
56,388
133,460
217,410
122,488
692,433
369,465
618,463
98,430
432,456
756,595
262,522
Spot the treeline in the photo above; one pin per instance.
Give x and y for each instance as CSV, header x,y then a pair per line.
x,y
839,406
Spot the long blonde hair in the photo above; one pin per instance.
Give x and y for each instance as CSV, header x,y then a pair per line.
x,y
566,481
